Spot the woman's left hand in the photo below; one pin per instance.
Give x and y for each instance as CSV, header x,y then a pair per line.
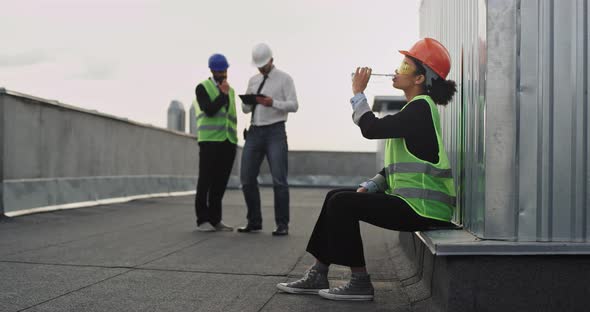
x,y
361,79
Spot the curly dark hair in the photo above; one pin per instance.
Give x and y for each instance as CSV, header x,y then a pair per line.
x,y
441,91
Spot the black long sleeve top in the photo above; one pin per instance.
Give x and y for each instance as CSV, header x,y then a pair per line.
x,y
414,124
210,107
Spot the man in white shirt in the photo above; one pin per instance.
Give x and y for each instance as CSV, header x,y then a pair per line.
x,y
267,137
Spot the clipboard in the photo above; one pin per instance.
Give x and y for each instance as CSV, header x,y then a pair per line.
x,y
250,98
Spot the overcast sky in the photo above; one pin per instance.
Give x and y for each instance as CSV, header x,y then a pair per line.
x,y
131,58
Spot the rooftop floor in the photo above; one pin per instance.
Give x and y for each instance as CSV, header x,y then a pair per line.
x,y
146,255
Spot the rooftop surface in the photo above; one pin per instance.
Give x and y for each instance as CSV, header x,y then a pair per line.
x,y
146,255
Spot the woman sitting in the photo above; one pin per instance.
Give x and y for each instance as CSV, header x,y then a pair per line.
x,y
414,191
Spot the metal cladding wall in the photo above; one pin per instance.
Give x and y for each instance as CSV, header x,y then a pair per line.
x,y
552,110
518,128
458,25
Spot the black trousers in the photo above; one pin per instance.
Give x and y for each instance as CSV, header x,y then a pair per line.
x,y
336,237
216,160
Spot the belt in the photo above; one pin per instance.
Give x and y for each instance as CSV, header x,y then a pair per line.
x,y
270,125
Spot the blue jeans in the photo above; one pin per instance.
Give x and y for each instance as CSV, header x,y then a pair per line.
x,y
269,141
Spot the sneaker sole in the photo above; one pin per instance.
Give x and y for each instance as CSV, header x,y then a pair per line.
x,y
298,291
324,294
206,230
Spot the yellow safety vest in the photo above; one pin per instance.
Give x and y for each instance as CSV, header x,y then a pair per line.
x,y
222,126
427,187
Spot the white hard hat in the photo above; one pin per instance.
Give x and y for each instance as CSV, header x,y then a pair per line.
x,y
261,55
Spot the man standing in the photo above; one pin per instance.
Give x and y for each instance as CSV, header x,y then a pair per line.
x,y
215,110
267,137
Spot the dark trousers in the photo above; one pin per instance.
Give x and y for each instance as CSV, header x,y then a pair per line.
x,y
216,160
270,142
336,238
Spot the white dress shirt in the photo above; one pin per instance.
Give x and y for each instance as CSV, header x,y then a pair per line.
x,y
280,87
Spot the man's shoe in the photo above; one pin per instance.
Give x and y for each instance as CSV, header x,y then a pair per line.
x,y
281,231
359,288
205,227
223,227
310,283
250,228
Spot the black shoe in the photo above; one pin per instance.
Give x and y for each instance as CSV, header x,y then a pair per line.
x,y
250,228
281,230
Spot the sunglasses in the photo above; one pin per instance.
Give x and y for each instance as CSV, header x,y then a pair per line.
x,y
405,68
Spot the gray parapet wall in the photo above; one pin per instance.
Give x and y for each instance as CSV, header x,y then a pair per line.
x,y
56,154
319,169
53,154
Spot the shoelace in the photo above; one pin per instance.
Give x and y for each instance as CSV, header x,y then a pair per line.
x,y
347,285
341,288
311,274
306,277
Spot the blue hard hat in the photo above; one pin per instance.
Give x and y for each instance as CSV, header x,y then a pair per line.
x,y
218,62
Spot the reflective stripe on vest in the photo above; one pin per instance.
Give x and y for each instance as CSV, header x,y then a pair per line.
x,y
428,188
419,168
425,194
219,114
212,128
221,126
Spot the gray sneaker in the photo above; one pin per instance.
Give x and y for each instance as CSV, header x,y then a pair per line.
x,y
359,288
310,283
205,227
223,227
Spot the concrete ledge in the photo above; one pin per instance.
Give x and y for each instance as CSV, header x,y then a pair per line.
x,y
57,193
460,242
32,193
450,270
108,201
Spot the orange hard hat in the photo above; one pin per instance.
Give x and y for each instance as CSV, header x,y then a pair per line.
x,y
432,54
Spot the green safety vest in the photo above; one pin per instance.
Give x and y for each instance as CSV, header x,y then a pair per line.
x,y
428,188
222,126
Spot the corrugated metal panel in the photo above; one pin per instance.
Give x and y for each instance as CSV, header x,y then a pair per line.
x,y
501,129
460,26
528,149
553,121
